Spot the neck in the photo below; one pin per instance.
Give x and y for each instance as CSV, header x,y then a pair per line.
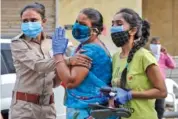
x,y
39,38
95,40
126,48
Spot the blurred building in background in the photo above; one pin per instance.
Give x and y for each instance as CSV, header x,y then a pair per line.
x,y
163,16
10,16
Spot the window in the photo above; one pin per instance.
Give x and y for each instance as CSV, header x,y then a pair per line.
x,y
7,65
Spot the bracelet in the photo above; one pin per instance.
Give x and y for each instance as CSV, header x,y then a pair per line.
x,y
59,61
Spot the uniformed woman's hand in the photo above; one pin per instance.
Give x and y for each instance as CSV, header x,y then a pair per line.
x,y
59,42
80,60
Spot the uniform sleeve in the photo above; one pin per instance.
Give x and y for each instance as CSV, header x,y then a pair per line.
x,y
56,80
148,59
21,53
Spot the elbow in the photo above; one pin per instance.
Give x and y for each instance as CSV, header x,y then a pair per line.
x,y
70,80
172,67
71,83
67,79
163,94
70,86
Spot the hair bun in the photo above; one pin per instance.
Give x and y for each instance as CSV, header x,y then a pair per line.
x,y
40,5
146,24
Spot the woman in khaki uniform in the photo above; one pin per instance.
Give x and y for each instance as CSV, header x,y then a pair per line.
x,y
33,97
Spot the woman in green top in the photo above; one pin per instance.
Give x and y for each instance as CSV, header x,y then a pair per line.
x,y
135,71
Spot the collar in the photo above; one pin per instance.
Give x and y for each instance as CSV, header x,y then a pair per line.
x,y
43,37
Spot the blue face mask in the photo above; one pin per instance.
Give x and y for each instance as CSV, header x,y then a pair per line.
x,y
31,29
81,32
115,29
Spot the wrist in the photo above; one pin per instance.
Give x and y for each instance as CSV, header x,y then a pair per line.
x,y
67,60
130,95
57,53
59,57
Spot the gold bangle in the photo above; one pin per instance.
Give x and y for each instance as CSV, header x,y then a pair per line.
x,y
68,61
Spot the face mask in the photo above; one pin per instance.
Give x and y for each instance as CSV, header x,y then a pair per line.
x,y
31,29
119,36
81,32
156,49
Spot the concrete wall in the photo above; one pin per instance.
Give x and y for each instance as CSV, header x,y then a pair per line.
x,y
69,9
163,17
10,13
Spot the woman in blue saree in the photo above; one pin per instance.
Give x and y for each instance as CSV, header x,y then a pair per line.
x,y
83,84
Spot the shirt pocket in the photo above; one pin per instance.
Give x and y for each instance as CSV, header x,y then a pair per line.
x,y
21,109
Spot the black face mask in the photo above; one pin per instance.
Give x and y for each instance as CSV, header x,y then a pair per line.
x,y
120,38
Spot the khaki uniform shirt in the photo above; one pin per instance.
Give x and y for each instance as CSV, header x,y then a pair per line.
x,y
34,65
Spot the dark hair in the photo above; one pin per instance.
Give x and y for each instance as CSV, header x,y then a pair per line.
x,y
39,8
154,39
143,33
96,17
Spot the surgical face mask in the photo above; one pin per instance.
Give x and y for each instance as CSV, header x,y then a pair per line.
x,y
119,36
81,33
156,50
31,29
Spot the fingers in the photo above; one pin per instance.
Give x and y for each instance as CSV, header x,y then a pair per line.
x,y
81,51
79,61
67,40
56,33
61,32
83,57
83,62
88,66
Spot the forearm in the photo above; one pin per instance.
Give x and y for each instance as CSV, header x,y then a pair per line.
x,y
158,89
46,65
170,62
56,80
63,71
149,94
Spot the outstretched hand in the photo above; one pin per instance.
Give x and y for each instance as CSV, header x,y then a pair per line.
x,y
59,42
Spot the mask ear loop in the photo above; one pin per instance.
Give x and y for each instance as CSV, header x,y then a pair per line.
x,y
95,31
135,40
